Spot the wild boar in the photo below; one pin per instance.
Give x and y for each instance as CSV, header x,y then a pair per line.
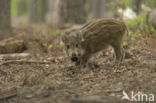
x,y
93,37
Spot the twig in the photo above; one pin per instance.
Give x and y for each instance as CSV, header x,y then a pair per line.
x,y
14,55
22,61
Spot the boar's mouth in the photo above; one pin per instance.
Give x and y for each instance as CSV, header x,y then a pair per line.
x,y
77,62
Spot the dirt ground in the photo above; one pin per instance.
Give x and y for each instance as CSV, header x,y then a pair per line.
x,y
58,81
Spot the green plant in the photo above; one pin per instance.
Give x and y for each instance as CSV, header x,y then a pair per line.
x,y
55,32
150,30
138,27
119,3
49,47
125,44
138,21
61,44
45,46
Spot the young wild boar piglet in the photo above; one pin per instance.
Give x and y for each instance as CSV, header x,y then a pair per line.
x,y
93,37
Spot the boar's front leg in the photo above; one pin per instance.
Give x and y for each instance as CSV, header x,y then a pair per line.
x,y
84,59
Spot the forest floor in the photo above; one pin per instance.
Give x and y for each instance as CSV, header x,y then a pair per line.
x,y
58,82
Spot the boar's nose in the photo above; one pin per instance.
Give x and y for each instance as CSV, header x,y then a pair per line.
x,y
74,58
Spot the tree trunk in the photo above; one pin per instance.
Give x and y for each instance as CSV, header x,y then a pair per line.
x,y
5,19
137,7
73,11
96,8
51,10
56,17
33,11
43,10
67,11
22,7
38,10
99,9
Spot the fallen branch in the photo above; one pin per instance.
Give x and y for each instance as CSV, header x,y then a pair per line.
x,y
22,62
14,55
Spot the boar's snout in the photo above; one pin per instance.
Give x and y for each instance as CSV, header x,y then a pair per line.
x,y
74,58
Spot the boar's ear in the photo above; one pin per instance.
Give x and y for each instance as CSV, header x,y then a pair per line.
x,y
81,36
63,37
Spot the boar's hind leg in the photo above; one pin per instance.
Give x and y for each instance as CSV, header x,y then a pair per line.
x,y
123,54
118,53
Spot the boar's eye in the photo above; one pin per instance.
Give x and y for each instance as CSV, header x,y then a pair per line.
x,y
77,45
67,46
